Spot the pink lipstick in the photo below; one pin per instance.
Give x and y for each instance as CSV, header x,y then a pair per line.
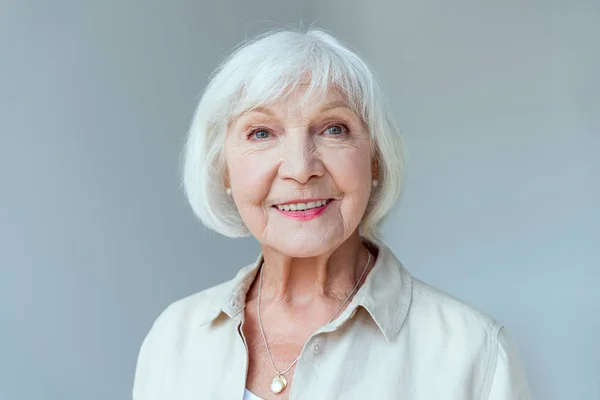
x,y
304,215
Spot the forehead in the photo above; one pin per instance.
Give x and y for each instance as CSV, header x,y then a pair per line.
x,y
299,103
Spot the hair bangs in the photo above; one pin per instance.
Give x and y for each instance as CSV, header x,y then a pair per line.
x,y
275,77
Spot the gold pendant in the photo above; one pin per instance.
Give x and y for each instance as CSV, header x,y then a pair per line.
x,y
279,383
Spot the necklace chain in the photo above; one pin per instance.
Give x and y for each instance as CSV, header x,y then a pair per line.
x,y
331,319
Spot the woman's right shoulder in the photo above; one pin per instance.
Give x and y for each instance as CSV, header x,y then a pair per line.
x,y
195,308
172,330
198,308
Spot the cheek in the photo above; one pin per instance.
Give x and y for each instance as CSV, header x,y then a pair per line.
x,y
251,177
350,170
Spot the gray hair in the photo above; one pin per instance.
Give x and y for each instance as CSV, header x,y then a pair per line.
x,y
266,69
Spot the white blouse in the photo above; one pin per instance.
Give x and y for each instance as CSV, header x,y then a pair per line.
x,y
248,395
398,338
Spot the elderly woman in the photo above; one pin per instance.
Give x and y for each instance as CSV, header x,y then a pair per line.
x,y
291,143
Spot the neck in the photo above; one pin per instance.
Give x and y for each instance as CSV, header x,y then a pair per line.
x,y
299,281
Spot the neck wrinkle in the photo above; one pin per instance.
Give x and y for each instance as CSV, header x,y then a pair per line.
x,y
298,282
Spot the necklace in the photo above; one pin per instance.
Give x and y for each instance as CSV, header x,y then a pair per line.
x,y
279,382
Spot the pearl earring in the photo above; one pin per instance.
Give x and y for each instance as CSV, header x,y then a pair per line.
x,y
375,182
228,191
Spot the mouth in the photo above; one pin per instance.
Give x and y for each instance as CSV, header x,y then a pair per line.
x,y
303,211
310,205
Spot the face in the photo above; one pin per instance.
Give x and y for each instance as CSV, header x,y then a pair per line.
x,y
300,175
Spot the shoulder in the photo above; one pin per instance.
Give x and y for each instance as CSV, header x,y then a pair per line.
x,y
467,334
196,309
170,332
179,318
446,325
438,317
449,309
507,377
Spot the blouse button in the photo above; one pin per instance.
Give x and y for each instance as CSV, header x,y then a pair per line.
x,y
316,349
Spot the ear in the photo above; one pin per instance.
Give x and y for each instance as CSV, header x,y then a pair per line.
x,y
375,166
226,178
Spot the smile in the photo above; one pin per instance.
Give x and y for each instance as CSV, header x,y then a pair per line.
x,y
302,206
303,211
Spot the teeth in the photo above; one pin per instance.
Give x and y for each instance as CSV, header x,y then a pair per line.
x,y
302,206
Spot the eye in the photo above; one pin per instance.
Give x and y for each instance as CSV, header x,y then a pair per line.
x,y
259,134
336,130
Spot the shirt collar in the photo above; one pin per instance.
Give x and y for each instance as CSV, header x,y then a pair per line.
x,y
386,293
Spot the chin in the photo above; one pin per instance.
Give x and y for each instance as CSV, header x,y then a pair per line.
x,y
305,248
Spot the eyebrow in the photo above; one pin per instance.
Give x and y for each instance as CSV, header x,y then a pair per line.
x,y
334,104
329,106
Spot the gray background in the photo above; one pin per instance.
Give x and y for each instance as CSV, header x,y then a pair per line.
x,y
499,106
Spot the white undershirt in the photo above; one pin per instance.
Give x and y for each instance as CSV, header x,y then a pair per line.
x,y
248,395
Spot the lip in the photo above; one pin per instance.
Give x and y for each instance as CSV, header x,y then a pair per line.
x,y
304,215
302,201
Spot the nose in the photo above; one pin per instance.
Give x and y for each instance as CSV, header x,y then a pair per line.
x,y
301,160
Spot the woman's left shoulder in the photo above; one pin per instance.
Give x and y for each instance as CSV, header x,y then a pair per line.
x,y
453,311
437,317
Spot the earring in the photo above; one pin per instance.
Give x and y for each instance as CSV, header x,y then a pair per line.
x,y
375,182
228,191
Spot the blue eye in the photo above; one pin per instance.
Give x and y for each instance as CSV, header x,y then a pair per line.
x,y
336,130
260,134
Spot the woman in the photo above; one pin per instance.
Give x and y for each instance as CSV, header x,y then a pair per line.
x,y
291,143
